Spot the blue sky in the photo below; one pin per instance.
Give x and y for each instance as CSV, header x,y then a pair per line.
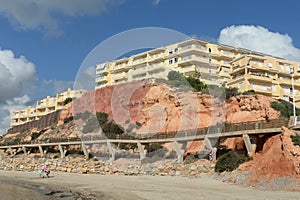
x,y
48,40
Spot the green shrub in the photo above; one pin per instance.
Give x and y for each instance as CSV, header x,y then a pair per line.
x,y
231,92
35,135
296,139
69,119
67,100
127,146
102,117
173,75
153,147
196,84
91,125
230,161
112,128
284,107
84,116
172,155
249,92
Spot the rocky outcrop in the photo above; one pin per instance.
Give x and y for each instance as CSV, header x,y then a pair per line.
x,y
278,158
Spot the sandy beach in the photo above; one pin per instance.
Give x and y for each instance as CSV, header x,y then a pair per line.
x,y
143,187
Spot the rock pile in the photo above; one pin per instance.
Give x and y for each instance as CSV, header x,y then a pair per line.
x,y
94,166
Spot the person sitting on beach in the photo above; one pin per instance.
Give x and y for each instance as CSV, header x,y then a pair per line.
x,y
47,171
42,170
41,173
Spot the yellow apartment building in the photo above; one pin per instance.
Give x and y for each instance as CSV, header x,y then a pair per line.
x,y
267,75
192,57
43,107
212,64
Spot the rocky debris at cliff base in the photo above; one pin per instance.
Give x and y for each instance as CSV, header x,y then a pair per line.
x,y
241,178
279,157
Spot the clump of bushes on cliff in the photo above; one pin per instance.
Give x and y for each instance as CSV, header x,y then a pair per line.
x,y
249,92
296,139
155,152
178,80
109,127
67,100
285,108
230,161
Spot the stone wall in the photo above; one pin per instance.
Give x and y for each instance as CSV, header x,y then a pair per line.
x,y
40,124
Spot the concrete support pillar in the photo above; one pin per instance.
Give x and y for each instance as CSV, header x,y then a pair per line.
x,y
214,154
85,151
254,143
62,152
24,150
207,143
248,144
142,151
111,150
179,152
12,154
41,151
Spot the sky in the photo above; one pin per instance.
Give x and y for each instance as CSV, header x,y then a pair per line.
x,y
43,43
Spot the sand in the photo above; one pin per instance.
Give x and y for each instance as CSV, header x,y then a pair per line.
x,y
145,187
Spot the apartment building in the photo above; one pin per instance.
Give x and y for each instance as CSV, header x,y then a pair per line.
x,y
212,64
267,75
43,107
193,57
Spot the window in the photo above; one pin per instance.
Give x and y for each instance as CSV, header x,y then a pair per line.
x,y
209,50
270,65
281,66
175,60
170,51
175,50
170,62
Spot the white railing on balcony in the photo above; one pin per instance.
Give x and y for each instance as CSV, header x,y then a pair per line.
x,y
100,78
201,47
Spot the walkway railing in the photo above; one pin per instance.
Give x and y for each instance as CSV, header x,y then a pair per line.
x,y
218,128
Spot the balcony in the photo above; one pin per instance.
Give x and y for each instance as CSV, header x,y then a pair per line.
x,y
139,70
155,67
101,66
41,105
140,76
138,61
285,81
101,79
193,59
192,49
259,77
119,76
119,68
262,89
156,58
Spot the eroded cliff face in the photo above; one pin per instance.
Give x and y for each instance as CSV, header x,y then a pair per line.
x,y
160,109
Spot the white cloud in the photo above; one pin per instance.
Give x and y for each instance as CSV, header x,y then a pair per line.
x,y
37,14
260,39
155,2
7,107
17,75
